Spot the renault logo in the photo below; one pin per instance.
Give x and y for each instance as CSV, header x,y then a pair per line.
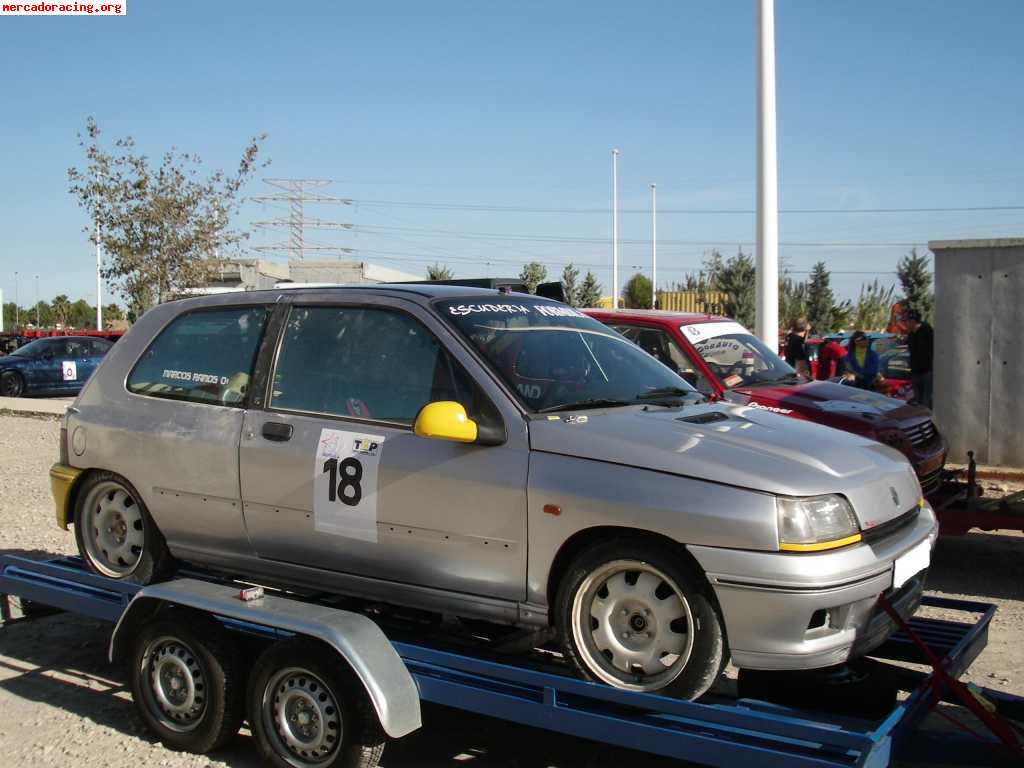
x,y
895,496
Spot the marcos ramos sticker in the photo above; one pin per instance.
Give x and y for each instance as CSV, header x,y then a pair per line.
x,y
345,484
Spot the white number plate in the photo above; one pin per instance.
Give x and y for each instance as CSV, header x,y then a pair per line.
x,y
911,563
345,483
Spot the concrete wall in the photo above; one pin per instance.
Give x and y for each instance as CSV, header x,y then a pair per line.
x,y
979,338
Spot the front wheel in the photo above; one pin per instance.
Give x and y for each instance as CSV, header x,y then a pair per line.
x,y
636,615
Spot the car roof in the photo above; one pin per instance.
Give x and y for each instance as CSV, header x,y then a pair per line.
x,y
667,316
427,291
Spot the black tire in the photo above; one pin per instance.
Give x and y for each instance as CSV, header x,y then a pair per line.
x,y
642,622
187,646
153,561
302,669
11,384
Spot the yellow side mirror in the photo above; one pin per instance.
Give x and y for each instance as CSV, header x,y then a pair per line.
x,y
445,420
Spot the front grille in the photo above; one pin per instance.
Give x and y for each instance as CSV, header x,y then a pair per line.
x,y
930,483
889,527
921,434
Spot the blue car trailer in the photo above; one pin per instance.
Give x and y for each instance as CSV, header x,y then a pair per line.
x,y
399,668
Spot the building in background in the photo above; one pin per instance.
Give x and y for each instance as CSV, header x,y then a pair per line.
x,y
979,367
257,274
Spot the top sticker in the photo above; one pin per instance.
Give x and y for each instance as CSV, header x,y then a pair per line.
x,y
703,331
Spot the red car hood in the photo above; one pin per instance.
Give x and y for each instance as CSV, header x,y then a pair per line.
x,y
833,404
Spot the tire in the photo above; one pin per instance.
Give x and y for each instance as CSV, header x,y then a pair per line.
x,y
187,682
656,619
303,678
116,536
11,384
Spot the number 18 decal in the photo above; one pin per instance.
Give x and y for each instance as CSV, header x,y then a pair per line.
x,y
345,484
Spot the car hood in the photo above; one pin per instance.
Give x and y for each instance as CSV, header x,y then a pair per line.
x,y
829,402
739,446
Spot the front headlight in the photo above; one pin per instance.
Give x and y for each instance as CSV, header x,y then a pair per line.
x,y
815,523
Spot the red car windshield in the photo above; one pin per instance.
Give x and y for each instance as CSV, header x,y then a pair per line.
x,y
736,357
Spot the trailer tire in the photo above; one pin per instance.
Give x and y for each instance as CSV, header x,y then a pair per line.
x,y
307,708
187,682
659,629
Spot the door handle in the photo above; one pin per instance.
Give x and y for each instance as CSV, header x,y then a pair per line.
x,y
277,431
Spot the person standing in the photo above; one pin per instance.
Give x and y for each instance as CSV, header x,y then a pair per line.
x,y
862,368
796,347
921,343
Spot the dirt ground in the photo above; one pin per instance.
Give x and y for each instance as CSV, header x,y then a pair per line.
x,y
62,704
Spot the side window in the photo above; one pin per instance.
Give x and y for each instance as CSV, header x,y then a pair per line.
x,y
366,363
662,347
98,347
202,357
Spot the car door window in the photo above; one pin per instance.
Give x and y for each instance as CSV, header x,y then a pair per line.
x,y
203,357
660,345
365,363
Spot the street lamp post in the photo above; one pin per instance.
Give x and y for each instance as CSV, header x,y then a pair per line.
x,y
615,229
767,251
17,316
654,246
37,301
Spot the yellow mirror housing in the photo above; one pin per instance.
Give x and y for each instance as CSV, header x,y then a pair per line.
x,y
445,420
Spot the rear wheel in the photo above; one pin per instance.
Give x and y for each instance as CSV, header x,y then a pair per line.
x,y
636,615
307,710
11,384
115,534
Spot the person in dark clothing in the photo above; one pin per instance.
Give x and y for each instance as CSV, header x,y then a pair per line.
x,y
796,348
921,343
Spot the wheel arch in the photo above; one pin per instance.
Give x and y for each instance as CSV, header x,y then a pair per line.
x,y
588,537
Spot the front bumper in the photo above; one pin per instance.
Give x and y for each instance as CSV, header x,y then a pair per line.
x,y
812,610
62,482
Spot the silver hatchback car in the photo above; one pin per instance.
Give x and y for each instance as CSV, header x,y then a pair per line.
x,y
489,455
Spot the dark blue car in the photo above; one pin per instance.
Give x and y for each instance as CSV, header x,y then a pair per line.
x,y
54,366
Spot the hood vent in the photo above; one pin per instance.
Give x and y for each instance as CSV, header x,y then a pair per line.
x,y
705,418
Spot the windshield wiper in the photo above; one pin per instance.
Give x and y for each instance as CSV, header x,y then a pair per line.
x,y
664,392
590,403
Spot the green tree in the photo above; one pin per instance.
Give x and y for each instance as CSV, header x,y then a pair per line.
x,y
589,294
570,276
13,315
533,274
792,301
439,272
162,227
637,292
820,300
736,278
61,310
871,312
41,315
82,314
112,312
915,277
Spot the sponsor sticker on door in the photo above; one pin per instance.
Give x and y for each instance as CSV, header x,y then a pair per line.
x,y
69,369
345,484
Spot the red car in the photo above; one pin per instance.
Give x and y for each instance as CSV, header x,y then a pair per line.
x,y
724,361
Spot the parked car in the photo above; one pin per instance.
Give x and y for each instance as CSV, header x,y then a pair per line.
x,y
55,366
726,362
495,456
895,367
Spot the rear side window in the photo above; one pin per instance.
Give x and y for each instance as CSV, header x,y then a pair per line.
x,y
202,357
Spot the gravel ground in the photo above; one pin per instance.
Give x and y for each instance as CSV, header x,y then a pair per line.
x,y
64,705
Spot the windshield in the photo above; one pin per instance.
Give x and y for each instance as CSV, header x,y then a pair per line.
x,y
32,349
736,357
555,357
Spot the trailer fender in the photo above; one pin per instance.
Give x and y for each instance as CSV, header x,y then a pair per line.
x,y
356,639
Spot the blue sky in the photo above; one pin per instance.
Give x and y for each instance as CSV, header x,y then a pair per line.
x,y
915,104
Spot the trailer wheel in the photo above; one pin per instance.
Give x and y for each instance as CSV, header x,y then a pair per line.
x,y
306,709
633,613
187,683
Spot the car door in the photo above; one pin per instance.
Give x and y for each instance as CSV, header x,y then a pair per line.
x,y
93,352
334,477
50,372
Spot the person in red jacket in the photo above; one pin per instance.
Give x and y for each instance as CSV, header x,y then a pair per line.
x,y
830,360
